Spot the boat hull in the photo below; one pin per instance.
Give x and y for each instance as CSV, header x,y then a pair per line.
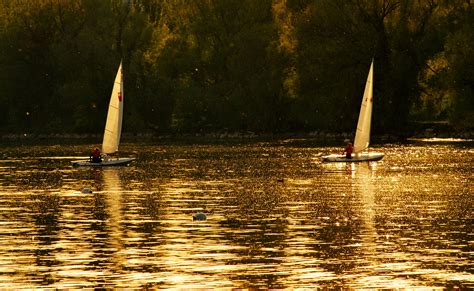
x,y
363,157
109,163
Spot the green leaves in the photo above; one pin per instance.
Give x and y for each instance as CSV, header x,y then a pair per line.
x,y
267,65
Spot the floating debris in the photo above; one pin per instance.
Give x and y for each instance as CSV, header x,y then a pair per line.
x,y
86,190
199,216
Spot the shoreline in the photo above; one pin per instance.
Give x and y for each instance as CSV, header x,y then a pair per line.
x,y
235,136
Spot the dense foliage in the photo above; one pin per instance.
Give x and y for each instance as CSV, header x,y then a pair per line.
x,y
236,65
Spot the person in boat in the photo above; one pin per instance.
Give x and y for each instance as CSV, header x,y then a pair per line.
x,y
348,151
96,157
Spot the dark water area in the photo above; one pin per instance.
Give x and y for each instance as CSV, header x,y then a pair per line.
x,y
276,217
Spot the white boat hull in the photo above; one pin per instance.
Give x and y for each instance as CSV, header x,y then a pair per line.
x,y
109,163
363,157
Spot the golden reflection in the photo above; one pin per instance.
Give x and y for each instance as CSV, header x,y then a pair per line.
x,y
191,250
113,198
91,241
274,220
301,260
364,185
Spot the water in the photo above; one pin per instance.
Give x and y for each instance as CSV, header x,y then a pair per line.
x,y
276,217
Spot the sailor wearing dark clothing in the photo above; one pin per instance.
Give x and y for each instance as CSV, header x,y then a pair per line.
x,y
348,151
95,156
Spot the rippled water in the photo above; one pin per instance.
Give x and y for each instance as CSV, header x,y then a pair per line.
x,y
276,217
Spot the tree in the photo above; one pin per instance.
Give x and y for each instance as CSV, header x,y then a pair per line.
x,y
268,65
337,40
228,66
459,76
59,60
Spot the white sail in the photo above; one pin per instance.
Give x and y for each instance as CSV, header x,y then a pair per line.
x,y
113,126
362,136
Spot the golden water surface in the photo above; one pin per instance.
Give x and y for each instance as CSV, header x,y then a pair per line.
x,y
276,217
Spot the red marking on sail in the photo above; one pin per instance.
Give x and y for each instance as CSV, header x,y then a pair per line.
x,y
120,96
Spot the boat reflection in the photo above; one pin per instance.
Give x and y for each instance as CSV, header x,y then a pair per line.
x,y
361,249
107,216
125,227
370,261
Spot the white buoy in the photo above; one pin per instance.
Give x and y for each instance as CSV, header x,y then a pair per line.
x,y
199,216
86,190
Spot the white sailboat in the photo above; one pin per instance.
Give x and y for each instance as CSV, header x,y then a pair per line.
x,y
362,136
113,129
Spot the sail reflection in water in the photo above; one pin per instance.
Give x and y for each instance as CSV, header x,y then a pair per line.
x,y
276,217
375,253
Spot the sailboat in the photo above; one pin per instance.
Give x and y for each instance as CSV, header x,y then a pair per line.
x,y
362,136
113,129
